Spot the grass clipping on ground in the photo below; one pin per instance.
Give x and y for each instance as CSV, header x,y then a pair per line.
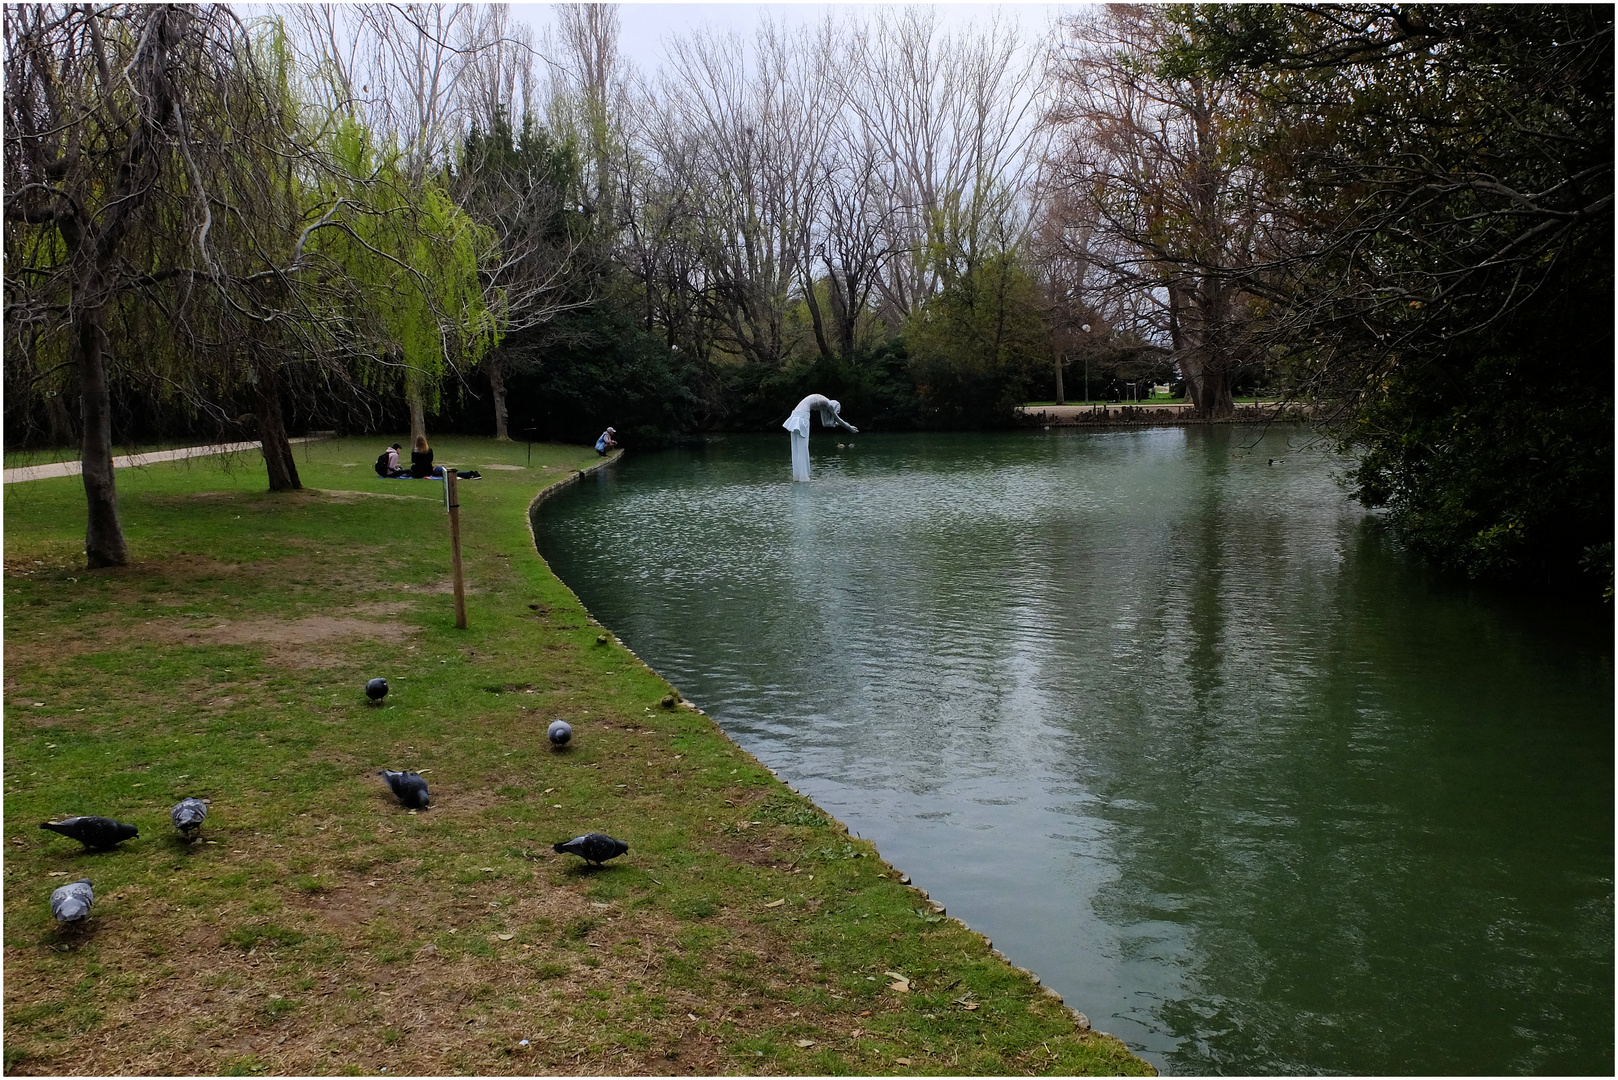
x,y
316,926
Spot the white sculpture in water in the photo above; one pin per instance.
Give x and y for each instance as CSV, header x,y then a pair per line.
x,y
798,424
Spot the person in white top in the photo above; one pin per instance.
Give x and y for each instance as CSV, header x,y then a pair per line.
x,y
798,424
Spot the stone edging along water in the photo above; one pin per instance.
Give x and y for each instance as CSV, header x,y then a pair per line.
x,y
1125,415
1082,1021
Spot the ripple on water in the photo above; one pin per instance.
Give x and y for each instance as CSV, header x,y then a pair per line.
x,y
1178,730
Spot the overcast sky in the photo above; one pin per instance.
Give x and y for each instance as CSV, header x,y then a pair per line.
x,y
646,26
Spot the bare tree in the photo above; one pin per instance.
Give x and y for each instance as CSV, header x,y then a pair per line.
x,y
592,84
856,237
744,133
410,72
1144,155
957,119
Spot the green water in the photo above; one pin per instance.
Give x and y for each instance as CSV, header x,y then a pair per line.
x,y
1175,727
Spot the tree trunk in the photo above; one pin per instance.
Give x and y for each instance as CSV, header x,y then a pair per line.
x,y
1210,391
814,318
1210,353
1061,397
497,384
418,414
60,420
279,463
103,536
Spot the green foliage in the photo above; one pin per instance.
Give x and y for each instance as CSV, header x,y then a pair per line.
x,y
523,184
874,387
591,367
977,347
1444,174
412,256
1503,472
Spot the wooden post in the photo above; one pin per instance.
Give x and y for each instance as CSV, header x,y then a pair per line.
x,y
454,500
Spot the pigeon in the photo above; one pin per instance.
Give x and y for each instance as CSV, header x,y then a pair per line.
x,y
560,732
593,847
188,814
376,689
100,833
71,903
409,786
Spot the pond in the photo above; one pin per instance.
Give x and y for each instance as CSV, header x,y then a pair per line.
x,y
1175,726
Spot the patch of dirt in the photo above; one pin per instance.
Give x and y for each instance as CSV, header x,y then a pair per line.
x,y
758,852
357,496
310,630
439,588
304,642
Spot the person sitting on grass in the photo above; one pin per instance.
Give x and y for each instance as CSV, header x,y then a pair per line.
x,y
606,442
421,460
422,467
387,463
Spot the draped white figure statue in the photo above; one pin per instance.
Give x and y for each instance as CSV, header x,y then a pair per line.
x,y
798,424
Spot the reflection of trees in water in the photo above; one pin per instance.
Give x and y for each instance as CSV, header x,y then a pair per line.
x,y
1237,753
1306,791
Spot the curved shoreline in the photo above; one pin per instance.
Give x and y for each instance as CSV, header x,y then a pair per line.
x,y
1080,1019
454,941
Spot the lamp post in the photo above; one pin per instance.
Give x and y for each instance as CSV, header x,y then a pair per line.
x,y
1086,329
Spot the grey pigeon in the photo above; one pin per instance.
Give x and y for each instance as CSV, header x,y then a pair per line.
x,y
376,689
93,832
188,814
560,732
71,903
594,847
409,786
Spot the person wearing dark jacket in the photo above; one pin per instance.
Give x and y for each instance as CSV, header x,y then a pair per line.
x,y
421,459
422,467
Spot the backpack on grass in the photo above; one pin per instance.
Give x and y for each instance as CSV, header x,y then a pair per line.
x,y
382,464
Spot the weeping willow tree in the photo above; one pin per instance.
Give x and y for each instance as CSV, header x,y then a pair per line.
x,y
160,201
411,258
237,307
182,232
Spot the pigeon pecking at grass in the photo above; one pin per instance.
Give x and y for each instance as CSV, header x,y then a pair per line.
x,y
100,833
376,689
409,786
559,732
188,815
71,903
593,847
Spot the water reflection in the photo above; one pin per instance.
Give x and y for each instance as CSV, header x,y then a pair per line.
x,y
1172,725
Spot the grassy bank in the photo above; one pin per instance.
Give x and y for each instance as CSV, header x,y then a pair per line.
x,y
317,926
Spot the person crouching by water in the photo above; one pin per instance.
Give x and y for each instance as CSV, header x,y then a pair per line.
x,y
606,442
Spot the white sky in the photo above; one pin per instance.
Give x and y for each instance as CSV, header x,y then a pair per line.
x,y
647,25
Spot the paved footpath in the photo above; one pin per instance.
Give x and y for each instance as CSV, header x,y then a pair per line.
x,y
74,468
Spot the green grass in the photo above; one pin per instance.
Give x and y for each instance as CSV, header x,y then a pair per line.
x,y
316,925
16,458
